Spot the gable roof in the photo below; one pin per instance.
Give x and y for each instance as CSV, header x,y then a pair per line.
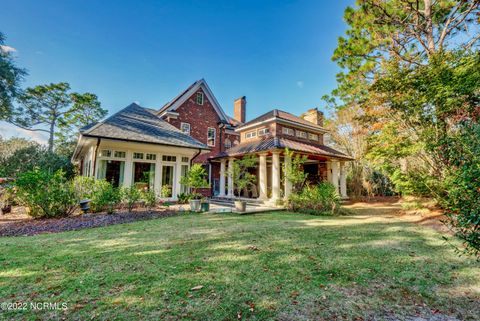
x,y
277,114
135,123
282,143
187,93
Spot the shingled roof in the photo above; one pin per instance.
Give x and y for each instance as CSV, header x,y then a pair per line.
x,y
281,143
280,114
138,124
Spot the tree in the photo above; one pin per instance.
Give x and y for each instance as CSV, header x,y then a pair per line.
x,y
53,110
294,173
10,79
241,176
196,178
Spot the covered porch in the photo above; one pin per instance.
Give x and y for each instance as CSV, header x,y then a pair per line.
x,y
272,184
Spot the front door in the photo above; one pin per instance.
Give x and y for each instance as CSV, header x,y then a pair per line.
x,y
167,181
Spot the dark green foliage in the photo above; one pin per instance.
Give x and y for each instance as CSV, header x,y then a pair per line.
x,y
104,197
45,194
462,200
195,179
183,198
10,79
318,200
19,155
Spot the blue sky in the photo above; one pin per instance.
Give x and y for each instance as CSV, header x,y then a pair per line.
x,y
277,53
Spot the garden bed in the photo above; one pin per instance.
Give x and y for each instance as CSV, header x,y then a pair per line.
x,y
26,226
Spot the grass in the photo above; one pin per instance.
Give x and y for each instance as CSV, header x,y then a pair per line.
x,y
278,266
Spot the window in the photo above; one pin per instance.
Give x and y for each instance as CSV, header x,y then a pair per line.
x,y
119,154
106,153
287,131
251,134
185,128
168,158
263,131
151,157
184,159
112,171
236,142
199,99
211,136
137,155
312,136
301,134
228,143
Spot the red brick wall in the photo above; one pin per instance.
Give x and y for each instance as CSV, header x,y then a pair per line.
x,y
200,117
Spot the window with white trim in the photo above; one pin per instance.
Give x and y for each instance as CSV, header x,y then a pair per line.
x,y
301,134
137,155
312,136
199,98
106,153
263,131
185,128
228,143
250,134
211,135
185,159
168,158
288,131
151,157
119,154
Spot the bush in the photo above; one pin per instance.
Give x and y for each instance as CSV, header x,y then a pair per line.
x,y
183,198
150,198
320,199
84,187
130,196
104,197
45,194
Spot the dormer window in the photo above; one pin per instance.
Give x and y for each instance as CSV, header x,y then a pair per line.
x,y
288,131
313,136
251,134
199,98
263,131
301,134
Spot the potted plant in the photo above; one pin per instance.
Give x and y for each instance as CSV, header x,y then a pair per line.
x,y
196,178
205,205
242,178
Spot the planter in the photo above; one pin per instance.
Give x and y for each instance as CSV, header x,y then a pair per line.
x,y
240,206
205,206
195,205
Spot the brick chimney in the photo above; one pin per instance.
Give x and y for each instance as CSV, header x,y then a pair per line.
x,y
314,116
239,109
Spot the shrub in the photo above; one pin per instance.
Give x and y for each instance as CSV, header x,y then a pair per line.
x,y
130,196
45,194
104,197
150,198
196,178
166,191
320,199
84,187
183,198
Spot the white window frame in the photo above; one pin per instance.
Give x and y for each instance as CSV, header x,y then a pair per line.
x,y
251,134
288,131
182,124
301,134
313,136
263,131
229,145
214,136
197,95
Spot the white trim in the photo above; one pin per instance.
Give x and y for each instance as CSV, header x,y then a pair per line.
x,y
189,128
183,98
214,136
281,120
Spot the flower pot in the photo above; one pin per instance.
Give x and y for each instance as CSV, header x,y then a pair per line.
x,y
195,205
205,206
240,206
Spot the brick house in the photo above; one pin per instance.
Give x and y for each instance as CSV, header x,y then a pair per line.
x,y
154,148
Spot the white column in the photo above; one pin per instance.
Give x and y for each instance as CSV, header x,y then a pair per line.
x,y
158,176
335,174
263,176
343,180
275,176
222,178
177,176
128,170
230,177
288,183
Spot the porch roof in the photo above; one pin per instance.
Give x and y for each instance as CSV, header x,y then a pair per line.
x,y
281,143
138,124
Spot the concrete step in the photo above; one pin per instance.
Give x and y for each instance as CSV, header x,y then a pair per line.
x,y
230,202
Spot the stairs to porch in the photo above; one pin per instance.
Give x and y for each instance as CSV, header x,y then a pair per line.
x,y
225,201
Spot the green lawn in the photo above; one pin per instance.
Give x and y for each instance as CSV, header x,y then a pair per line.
x,y
280,266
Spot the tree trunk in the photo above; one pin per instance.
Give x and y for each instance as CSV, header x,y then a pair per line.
x,y
52,134
429,27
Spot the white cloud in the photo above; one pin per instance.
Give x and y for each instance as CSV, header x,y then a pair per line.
x,y
8,130
300,84
7,49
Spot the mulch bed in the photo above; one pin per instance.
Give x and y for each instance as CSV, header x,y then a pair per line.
x,y
77,222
